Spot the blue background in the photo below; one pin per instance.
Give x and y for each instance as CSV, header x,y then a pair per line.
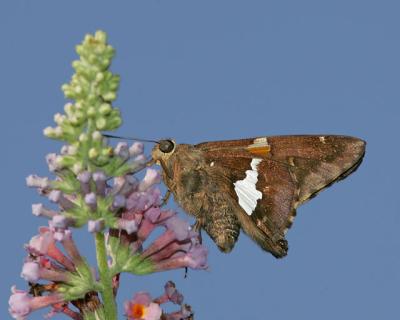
x,y
210,70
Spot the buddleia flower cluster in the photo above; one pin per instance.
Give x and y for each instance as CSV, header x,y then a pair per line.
x,y
95,186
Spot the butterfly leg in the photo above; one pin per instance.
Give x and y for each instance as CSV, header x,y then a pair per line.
x,y
150,163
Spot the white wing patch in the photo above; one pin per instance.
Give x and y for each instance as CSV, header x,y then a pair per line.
x,y
246,188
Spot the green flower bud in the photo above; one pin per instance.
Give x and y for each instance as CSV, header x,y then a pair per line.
x,y
92,87
58,132
83,137
105,109
100,36
59,118
91,112
77,168
80,115
101,123
99,76
105,63
48,132
109,96
93,153
68,92
60,161
78,89
74,120
72,150
79,49
107,151
102,160
97,136
114,123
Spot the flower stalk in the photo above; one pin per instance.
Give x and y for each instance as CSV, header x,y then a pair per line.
x,y
110,307
96,186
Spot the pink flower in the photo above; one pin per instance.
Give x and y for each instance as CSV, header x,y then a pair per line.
x,y
44,244
33,271
21,304
144,308
141,307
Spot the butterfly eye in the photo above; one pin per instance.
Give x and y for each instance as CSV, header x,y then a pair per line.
x,y
166,146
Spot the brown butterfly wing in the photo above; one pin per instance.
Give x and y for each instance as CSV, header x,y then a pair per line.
x,y
317,161
292,169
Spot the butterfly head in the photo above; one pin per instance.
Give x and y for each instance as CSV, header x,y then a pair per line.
x,y
163,149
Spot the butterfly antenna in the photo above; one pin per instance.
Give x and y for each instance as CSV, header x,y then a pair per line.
x,y
127,138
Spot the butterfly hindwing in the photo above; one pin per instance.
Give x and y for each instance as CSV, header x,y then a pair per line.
x,y
288,169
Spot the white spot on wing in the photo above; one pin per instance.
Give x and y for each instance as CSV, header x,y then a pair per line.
x,y
246,188
212,164
259,143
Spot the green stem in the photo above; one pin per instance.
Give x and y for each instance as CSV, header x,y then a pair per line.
x,y
110,306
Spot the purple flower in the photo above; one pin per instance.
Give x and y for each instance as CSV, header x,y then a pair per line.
x,y
125,185
38,209
95,225
84,178
131,209
141,201
37,182
151,178
130,226
136,149
119,202
185,313
180,227
58,197
172,293
100,180
177,247
52,162
91,201
60,221
194,258
140,160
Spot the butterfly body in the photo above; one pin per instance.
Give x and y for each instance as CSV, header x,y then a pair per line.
x,y
254,184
